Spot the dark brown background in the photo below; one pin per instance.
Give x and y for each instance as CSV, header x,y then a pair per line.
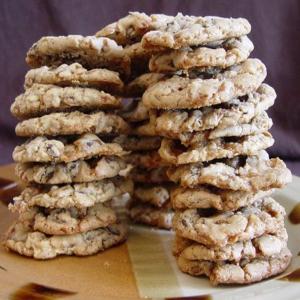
x,y
275,33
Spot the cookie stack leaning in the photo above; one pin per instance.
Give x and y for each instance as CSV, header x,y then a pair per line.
x,y
69,164
208,102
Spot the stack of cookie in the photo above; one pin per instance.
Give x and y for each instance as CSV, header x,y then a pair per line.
x,y
70,165
207,100
150,203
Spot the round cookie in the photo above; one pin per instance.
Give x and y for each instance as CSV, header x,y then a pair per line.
x,y
266,245
42,149
265,216
72,123
41,99
75,75
184,31
211,197
90,51
78,195
73,172
222,54
185,93
62,221
245,272
252,174
174,153
21,238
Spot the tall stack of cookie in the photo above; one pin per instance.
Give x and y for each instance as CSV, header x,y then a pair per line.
x,y
150,204
208,101
70,165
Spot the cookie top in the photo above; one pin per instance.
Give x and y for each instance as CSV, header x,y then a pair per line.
x,y
43,149
174,153
173,31
244,272
222,54
78,195
184,31
210,197
90,51
251,173
266,245
42,99
185,93
75,75
72,123
172,123
265,216
76,171
138,143
21,238
153,216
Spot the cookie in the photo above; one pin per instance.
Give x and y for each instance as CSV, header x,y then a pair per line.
x,y
244,272
171,123
156,176
62,221
252,173
75,75
174,153
147,160
127,30
43,149
41,99
21,238
76,171
156,195
173,31
184,31
78,195
211,197
266,245
224,54
212,229
139,85
153,216
258,124
138,143
72,123
90,51
135,112
185,93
